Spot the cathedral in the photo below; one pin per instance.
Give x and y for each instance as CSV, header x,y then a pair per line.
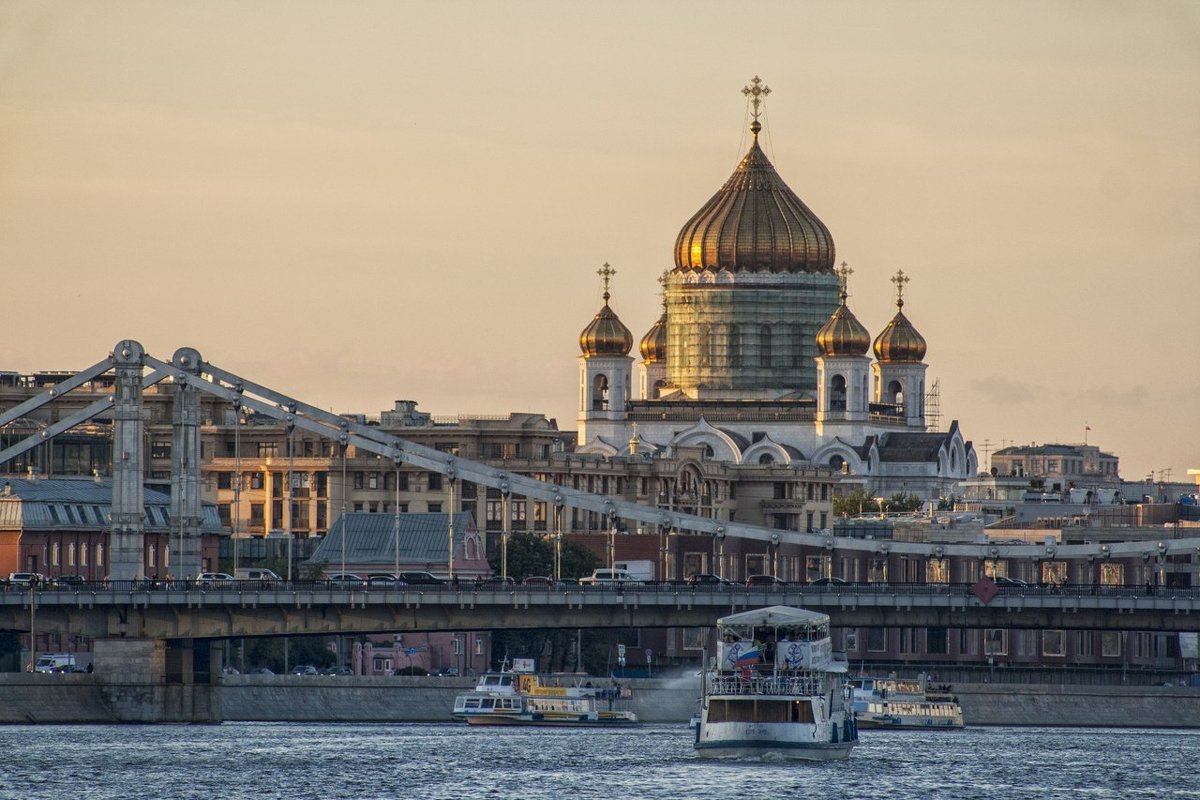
x,y
757,358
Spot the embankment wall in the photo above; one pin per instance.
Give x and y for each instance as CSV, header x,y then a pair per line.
x,y
80,698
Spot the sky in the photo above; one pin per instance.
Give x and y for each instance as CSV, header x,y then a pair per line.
x,y
355,203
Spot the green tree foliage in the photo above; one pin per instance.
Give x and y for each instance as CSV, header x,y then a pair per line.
x,y
902,502
851,504
268,652
530,555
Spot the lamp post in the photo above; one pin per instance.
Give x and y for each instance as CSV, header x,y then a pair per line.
x,y
291,523
345,441
237,479
396,523
505,528
558,534
450,527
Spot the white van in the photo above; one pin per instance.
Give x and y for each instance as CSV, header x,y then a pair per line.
x,y
608,577
55,662
261,574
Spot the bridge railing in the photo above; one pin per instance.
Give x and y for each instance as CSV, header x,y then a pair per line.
x,y
790,590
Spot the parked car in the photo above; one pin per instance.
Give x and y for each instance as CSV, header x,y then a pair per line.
x,y
262,671
829,582
24,580
762,581
345,580
70,581
304,669
708,580
538,582
337,670
382,579
421,579
214,580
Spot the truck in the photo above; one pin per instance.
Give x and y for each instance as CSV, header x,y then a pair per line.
x,y
55,662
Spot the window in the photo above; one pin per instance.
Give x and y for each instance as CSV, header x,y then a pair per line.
x,y
152,556
600,393
1112,575
404,481
995,642
1053,643
995,568
764,347
256,480
817,567
435,508
478,646
71,554
256,514
358,480
99,555
837,393
54,552
1054,572
225,514
876,640
1110,644
458,648
435,481
735,346
373,480
224,480
937,570
937,642
160,449
268,449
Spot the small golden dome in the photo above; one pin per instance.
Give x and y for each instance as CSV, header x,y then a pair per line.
x,y
899,342
654,343
842,334
606,335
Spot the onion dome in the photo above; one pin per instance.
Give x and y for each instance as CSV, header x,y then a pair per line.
x,y
606,335
899,342
842,334
755,223
654,343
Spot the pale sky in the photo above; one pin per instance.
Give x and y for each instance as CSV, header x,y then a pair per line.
x,y
356,202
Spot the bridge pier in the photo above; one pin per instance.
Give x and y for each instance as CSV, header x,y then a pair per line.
x,y
186,511
125,556
157,680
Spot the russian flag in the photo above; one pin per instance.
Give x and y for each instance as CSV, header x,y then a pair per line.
x,y
746,657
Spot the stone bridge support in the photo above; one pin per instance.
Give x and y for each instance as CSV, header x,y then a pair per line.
x,y
186,513
156,680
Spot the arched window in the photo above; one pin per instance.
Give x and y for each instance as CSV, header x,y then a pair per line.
x,y
600,393
837,393
837,462
895,393
734,346
709,452
764,347
704,345
99,555
766,458
656,392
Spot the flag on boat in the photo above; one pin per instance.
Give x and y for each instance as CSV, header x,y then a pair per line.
x,y
746,657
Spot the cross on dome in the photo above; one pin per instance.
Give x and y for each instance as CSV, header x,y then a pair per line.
x,y
844,272
899,279
757,91
606,272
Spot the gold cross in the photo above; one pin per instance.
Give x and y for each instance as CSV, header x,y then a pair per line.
x,y
899,279
844,274
606,272
757,93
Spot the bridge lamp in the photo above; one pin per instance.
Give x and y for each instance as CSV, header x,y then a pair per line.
x,y
720,534
775,555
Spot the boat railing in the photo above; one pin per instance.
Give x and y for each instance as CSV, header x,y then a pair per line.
x,y
736,683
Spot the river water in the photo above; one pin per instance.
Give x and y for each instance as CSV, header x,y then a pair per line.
x,y
416,761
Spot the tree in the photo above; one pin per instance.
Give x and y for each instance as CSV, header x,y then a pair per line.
x,y
854,503
903,502
530,554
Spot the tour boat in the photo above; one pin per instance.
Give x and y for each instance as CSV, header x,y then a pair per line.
x,y
521,697
775,690
907,703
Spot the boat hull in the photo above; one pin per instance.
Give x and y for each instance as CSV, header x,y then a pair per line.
x,y
908,723
788,741
544,722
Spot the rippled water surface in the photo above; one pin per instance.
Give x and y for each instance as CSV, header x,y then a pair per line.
x,y
262,760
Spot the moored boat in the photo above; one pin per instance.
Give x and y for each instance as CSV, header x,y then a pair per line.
x,y
775,690
898,704
521,697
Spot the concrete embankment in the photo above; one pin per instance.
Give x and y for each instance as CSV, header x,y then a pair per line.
x,y
34,699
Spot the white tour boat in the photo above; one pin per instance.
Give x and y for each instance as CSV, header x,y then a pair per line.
x,y
904,703
521,697
775,689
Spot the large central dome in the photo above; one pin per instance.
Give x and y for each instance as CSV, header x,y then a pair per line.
x,y
755,223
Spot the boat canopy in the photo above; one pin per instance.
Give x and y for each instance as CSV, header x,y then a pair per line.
x,y
777,616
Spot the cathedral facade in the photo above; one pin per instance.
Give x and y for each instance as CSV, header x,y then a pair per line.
x,y
757,358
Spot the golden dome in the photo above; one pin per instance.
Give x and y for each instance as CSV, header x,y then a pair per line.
x,y
842,334
606,335
755,223
654,343
900,342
